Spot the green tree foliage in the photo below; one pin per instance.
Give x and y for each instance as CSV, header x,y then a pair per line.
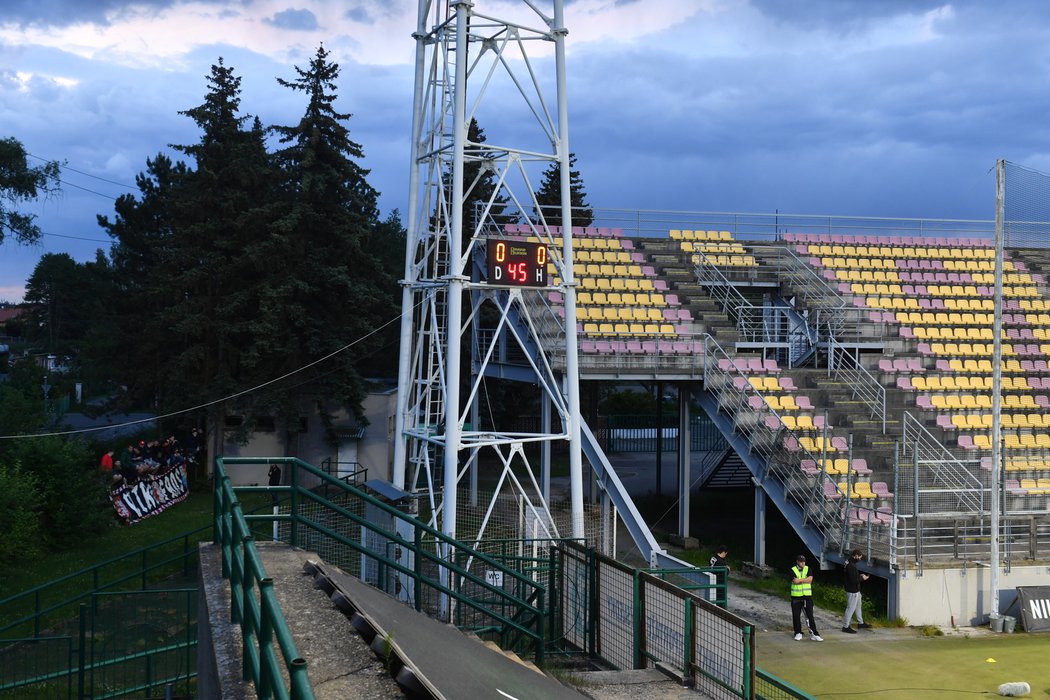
x,y
20,183
72,497
480,183
244,265
137,341
549,194
332,289
19,521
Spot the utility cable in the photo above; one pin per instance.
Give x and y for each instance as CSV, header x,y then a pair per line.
x,y
213,402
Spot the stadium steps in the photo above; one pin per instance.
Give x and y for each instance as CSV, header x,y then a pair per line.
x,y
673,266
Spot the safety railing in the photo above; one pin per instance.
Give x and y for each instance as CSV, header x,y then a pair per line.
x,y
389,549
28,613
934,481
816,495
844,367
629,618
253,603
118,644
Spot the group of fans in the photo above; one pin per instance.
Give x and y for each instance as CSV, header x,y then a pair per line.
x,y
141,459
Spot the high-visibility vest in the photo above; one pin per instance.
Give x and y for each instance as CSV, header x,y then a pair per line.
x,y
800,590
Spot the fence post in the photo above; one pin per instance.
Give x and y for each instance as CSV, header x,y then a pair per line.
x,y
417,566
639,627
293,528
81,651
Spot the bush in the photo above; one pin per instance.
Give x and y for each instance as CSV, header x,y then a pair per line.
x,y
70,493
19,520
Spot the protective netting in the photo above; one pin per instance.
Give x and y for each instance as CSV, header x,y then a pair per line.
x,y
1025,205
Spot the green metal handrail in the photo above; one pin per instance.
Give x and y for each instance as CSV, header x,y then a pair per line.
x,y
530,604
98,583
261,618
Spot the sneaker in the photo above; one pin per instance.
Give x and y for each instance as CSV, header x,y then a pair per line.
x,y
864,626
798,637
817,638
849,630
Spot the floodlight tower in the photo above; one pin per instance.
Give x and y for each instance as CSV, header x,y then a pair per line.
x,y
468,66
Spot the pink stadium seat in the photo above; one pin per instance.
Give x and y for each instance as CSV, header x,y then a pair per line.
x,y
770,366
945,422
588,346
665,347
740,383
648,271
634,347
965,441
923,402
672,299
915,365
839,443
625,244
886,365
682,347
861,467
788,384
753,364
803,402
880,489
756,403
904,384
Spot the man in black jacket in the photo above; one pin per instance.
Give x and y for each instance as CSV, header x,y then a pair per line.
x,y
853,579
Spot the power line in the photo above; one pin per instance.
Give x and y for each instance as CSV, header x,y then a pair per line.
x,y
86,174
83,431
79,187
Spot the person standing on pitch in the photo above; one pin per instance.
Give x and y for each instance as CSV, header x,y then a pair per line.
x,y
802,599
853,579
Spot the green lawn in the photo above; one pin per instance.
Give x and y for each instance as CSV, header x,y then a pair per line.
x,y
116,540
903,664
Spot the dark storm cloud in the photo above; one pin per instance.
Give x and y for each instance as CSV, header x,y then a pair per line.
x,y
298,20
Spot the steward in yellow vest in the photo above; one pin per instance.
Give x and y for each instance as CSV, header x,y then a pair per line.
x,y
802,599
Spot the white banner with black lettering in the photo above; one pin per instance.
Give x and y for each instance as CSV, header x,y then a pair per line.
x,y
150,495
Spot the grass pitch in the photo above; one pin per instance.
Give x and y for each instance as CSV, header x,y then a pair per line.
x,y
900,663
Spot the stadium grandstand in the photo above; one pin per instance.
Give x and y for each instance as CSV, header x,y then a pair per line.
x,y
847,362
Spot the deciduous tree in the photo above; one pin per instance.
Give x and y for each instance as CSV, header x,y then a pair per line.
x,y
20,183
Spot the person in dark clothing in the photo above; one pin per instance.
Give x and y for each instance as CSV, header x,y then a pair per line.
x,y
802,599
719,560
852,580
274,480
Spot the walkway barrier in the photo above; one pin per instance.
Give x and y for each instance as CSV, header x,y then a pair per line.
x,y
630,618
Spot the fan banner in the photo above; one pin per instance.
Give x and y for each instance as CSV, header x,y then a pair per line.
x,y
150,495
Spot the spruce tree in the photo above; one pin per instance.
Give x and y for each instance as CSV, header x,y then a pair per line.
x,y
334,290
548,197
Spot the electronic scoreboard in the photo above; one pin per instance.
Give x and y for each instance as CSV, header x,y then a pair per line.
x,y
516,263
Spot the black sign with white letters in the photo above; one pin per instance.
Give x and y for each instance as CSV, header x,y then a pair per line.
x,y
1035,607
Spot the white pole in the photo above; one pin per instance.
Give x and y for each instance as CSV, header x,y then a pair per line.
x,y
404,374
572,368
997,379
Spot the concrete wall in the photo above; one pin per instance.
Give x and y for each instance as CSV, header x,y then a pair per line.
x,y
374,451
938,595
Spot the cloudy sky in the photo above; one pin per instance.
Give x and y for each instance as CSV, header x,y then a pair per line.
x,y
889,108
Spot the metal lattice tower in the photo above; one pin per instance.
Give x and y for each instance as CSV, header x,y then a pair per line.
x,y
474,66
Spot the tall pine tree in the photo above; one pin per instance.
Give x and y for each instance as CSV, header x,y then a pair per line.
x,y
549,195
335,291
